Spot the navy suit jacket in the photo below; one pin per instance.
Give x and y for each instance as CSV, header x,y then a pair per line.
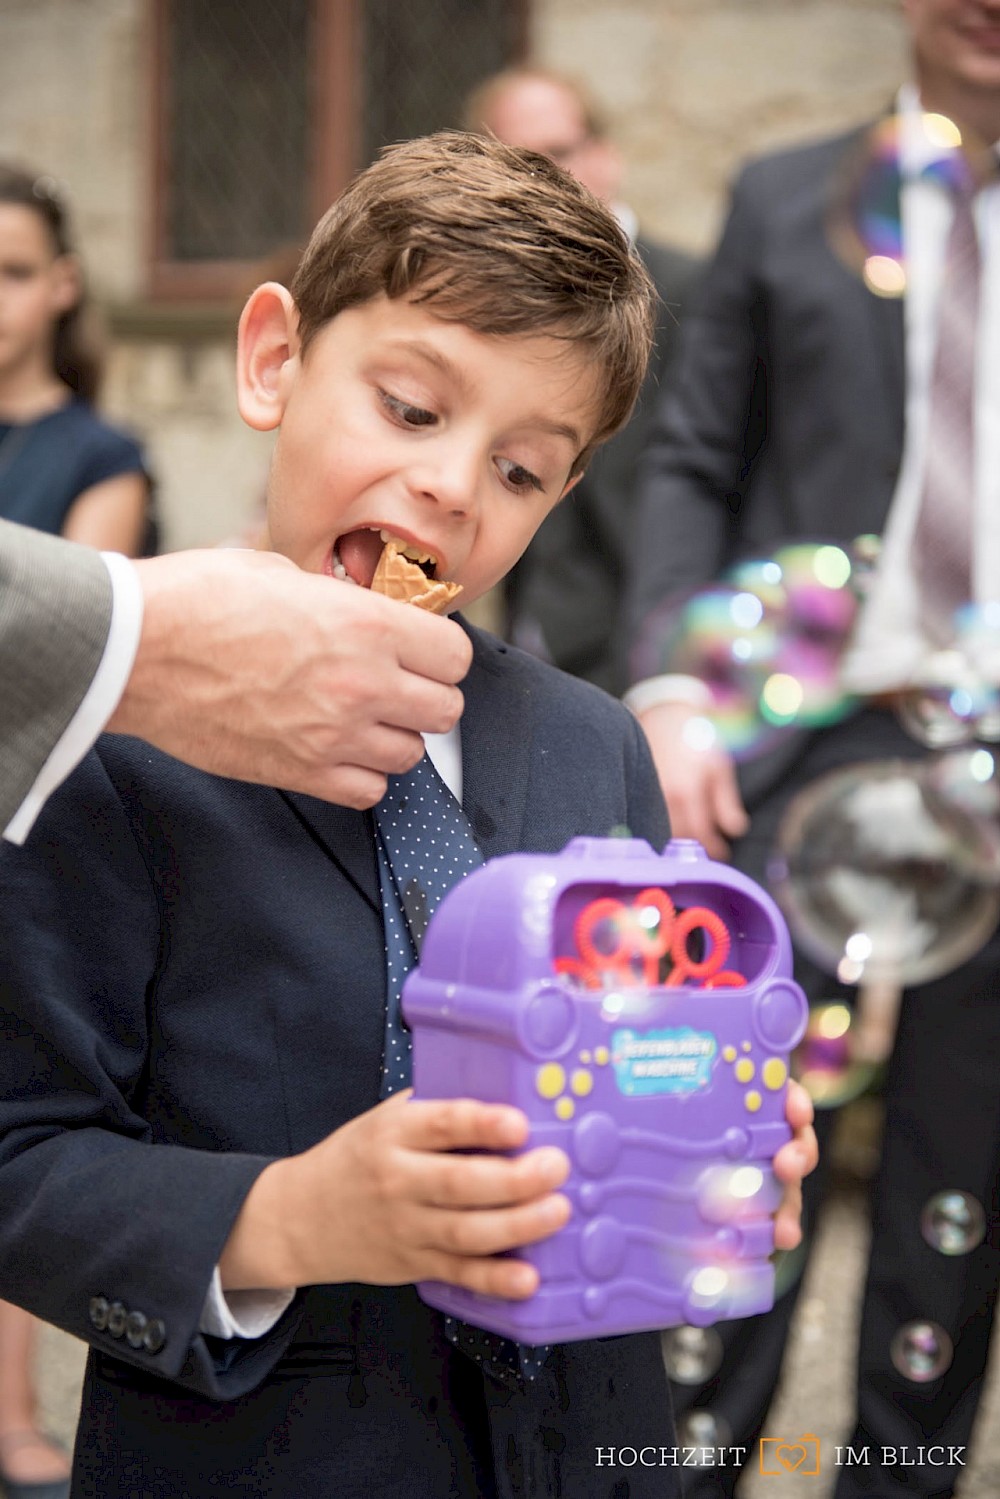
x,y
192,985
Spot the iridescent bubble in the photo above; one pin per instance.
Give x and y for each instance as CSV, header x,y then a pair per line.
x,y
921,1351
823,1062
722,636
692,1355
969,778
874,851
953,1222
703,1430
865,225
864,552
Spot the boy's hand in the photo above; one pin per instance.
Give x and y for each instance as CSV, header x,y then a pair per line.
x,y
699,785
249,668
792,1162
388,1200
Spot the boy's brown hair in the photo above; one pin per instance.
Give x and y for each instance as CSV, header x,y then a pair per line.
x,y
492,236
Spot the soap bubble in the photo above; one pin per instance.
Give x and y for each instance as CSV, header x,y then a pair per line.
x,y
968,777
953,1222
692,1355
865,225
702,1429
881,879
766,641
921,1351
823,1062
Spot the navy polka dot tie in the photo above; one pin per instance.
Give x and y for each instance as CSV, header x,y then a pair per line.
x,y
424,846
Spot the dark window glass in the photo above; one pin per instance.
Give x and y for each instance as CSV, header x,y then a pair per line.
x,y
238,178
421,59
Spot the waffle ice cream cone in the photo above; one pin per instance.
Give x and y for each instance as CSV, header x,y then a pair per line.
x,y
398,578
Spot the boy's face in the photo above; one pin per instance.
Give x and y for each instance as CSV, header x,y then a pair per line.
x,y
454,442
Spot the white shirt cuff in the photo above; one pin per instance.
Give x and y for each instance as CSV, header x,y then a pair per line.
x,y
241,1314
100,700
671,688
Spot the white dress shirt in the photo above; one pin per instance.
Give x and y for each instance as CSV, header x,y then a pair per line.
x,y
889,645
100,700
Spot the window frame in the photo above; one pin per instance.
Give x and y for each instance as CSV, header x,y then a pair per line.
x,y
332,82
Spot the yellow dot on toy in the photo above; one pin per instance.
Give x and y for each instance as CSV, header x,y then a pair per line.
x,y
773,1072
565,1108
744,1070
601,1056
753,1101
746,1046
729,1053
585,1056
581,1082
550,1080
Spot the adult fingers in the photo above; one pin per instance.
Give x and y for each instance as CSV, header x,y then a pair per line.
x,y
429,645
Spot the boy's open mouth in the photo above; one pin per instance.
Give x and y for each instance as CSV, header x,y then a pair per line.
x,y
389,565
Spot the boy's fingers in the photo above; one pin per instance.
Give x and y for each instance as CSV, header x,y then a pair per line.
x,y
799,1109
511,1279
489,1232
486,1181
462,1124
788,1220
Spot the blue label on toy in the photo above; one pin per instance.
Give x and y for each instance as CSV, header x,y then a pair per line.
x,y
671,1061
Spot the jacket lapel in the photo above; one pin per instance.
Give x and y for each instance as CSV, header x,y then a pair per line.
x,y
345,835
496,744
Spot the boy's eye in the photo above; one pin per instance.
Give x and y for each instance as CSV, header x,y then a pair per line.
x,y
516,477
404,413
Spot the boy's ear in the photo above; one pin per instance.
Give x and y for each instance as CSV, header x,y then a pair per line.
x,y
266,356
572,482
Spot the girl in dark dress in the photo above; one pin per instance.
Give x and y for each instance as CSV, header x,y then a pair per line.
x,y
62,468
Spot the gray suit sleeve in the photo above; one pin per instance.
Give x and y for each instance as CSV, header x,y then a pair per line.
x,y
55,614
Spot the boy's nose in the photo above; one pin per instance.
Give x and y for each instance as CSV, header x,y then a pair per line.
x,y
451,481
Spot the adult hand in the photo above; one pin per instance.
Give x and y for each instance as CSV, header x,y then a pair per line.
x,y
792,1162
408,1191
248,667
699,784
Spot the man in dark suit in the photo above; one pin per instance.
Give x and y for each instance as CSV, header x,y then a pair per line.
x,y
563,600
231,660
798,411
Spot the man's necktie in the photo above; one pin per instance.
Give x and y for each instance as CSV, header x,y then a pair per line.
x,y
942,542
425,846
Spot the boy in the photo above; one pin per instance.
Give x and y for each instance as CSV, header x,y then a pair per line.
x,y
197,1174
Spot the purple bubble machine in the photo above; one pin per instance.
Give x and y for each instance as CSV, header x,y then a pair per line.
x,y
640,1009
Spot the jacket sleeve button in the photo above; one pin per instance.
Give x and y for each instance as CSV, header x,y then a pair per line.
x,y
154,1335
135,1326
98,1312
117,1316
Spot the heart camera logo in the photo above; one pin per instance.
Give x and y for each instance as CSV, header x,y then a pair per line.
x,y
801,1456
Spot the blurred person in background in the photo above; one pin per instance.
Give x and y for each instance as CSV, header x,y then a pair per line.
x,y
806,406
62,468
65,471
563,600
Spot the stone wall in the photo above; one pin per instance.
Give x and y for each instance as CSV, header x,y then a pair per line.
x,y
690,88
